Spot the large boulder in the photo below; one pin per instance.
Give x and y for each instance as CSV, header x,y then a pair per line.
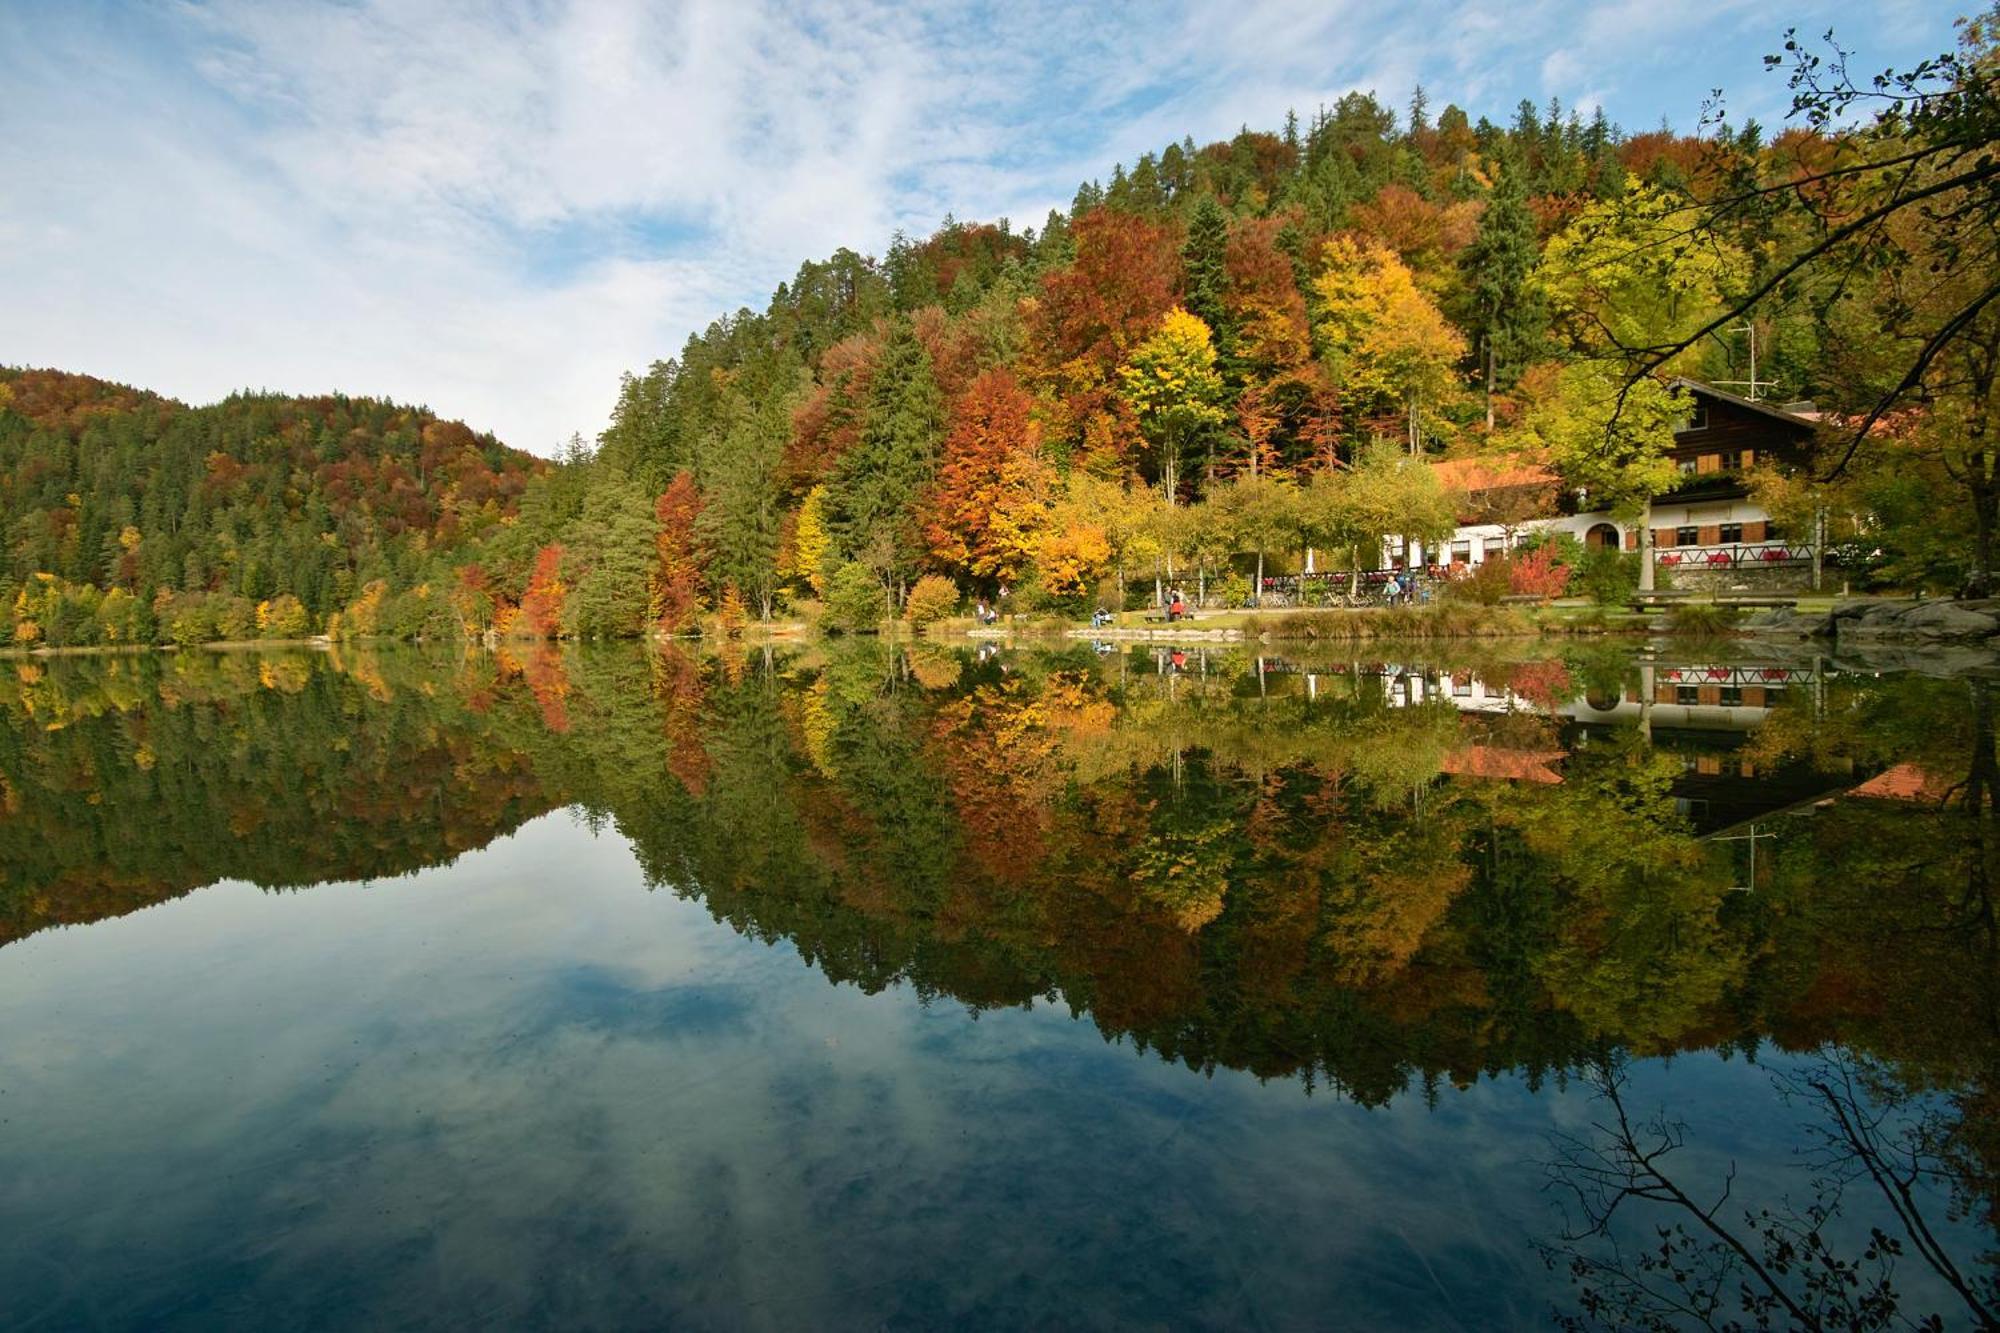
x,y
1785,622
1938,621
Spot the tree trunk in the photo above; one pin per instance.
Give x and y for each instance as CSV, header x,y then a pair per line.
x,y
1819,547
1488,340
1257,594
1984,495
1646,548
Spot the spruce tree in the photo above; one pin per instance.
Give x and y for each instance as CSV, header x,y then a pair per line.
x,y
870,501
1204,270
1506,320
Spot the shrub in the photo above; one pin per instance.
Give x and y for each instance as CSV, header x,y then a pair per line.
x,y
123,618
934,598
235,617
1485,584
190,620
1607,577
853,600
1538,572
730,613
1701,618
283,617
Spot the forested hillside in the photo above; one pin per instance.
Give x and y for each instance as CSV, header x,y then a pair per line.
x,y
169,512
1225,354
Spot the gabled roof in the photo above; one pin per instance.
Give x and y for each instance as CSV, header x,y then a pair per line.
x,y
1486,761
1774,412
1904,782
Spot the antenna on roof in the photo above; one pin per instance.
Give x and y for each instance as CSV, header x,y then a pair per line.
x,y
1752,386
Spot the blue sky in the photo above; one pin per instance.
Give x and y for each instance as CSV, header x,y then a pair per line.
x,y
496,206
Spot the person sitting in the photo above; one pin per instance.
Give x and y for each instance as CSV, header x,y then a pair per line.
x,y
1177,608
1100,618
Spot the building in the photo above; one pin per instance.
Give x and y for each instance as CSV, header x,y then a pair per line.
x,y
1708,524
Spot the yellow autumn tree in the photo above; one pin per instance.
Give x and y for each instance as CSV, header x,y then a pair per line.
x,y
811,541
1386,342
1172,387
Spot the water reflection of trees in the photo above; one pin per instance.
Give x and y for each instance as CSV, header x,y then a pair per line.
x,y
127,780
1303,877
1307,876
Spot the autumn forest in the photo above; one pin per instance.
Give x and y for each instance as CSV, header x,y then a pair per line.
x,y
1217,358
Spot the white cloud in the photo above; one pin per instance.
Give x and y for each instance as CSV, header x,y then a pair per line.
x,y
495,208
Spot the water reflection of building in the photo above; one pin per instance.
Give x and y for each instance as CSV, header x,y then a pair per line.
x,y
1702,713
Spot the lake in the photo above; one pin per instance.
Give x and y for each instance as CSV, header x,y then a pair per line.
x,y
870,985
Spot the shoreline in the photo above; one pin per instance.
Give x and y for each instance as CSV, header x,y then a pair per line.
x,y
1938,625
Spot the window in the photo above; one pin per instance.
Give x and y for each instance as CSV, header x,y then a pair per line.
x,y
1687,467
1732,533
1461,552
1732,460
1732,696
1687,694
1697,418
1687,536
1771,530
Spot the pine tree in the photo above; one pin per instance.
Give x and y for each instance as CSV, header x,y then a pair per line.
x,y
739,526
870,499
1507,320
1205,277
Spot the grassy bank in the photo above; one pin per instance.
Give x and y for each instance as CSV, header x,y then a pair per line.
x,y
1442,620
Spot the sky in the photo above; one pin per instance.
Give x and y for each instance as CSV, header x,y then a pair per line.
x,y
495,207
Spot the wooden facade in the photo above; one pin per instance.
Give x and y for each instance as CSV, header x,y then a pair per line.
x,y
1727,436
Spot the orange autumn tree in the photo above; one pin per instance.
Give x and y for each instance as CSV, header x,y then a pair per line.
x,y
1088,318
981,511
676,593
542,603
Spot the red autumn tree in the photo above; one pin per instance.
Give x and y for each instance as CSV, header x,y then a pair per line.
x,y
677,594
1090,315
542,603
1126,276
827,422
1536,573
1426,235
990,423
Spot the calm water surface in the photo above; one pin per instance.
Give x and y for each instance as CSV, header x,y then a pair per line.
x,y
875,987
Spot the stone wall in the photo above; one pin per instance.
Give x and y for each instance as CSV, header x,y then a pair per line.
x,y
1742,578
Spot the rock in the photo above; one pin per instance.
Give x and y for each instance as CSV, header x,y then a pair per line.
x,y
1789,623
1950,620
1929,621
1942,660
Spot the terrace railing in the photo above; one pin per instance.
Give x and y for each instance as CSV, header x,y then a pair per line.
x,y
1738,555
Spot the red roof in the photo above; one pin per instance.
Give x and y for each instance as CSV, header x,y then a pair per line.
x,y
1485,761
1492,472
1904,782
